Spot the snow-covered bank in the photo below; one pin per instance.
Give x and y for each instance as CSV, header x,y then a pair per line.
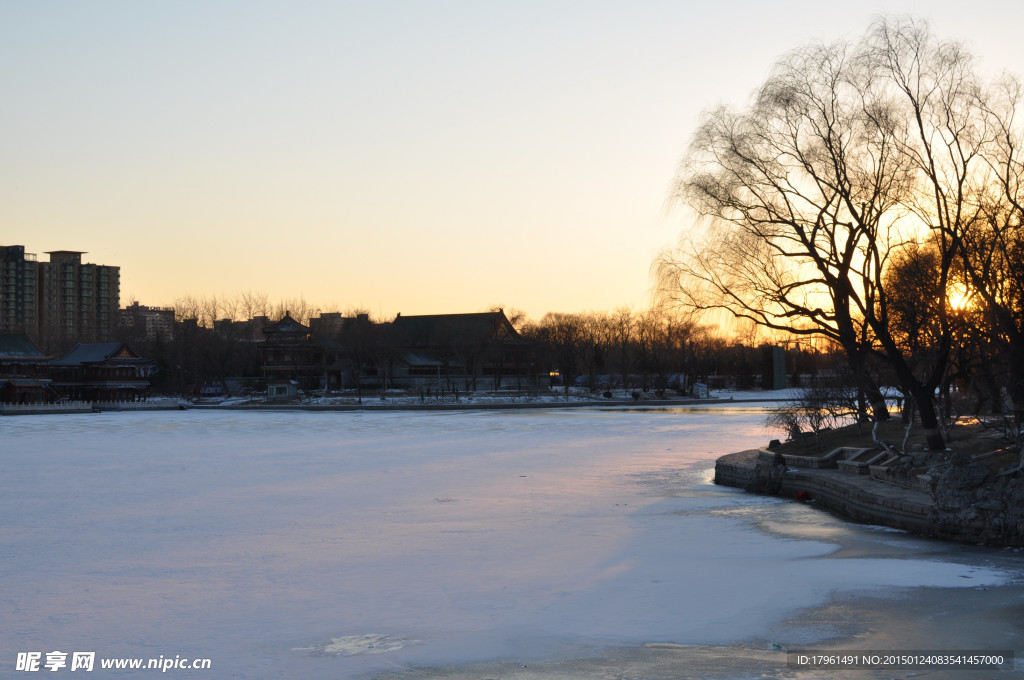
x,y
327,545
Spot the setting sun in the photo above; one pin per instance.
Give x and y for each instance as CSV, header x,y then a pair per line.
x,y
958,297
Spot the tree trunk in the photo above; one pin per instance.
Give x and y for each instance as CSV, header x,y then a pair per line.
x,y
879,411
1017,387
867,387
925,403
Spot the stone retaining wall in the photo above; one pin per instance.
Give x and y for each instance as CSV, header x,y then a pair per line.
x,y
979,504
836,493
968,503
67,407
737,469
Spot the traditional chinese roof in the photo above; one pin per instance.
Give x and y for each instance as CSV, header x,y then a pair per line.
x,y
435,329
99,352
18,346
287,325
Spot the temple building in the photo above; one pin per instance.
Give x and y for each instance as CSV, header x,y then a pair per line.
x,y
102,371
24,374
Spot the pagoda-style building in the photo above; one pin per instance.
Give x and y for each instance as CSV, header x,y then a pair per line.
x,y
24,378
102,371
290,356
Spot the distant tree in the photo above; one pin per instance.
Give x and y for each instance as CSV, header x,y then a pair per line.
x,y
593,343
560,336
250,305
215,336
622,328
298,308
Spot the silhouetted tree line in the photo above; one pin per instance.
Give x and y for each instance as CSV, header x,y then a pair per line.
x,y
657,350
211,339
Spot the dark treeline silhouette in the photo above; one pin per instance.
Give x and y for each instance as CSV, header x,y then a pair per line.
x,y
215,341
627,349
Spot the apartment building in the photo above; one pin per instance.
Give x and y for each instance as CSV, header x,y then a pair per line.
x,y
18,291
58,302
149,323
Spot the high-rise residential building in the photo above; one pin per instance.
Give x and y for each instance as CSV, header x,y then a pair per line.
x,y
151,323
61,301
78,301
18,294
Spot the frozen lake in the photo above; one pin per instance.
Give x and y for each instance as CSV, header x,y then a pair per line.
x,y
334,545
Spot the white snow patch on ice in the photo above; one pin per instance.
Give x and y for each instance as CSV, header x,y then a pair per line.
x,y
350,645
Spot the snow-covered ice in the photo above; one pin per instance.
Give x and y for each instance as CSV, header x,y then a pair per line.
x,y
327,545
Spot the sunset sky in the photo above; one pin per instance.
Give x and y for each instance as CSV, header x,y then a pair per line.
x,y
414,157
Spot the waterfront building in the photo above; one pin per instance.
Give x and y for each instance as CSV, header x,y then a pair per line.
x,y
102,371
24,377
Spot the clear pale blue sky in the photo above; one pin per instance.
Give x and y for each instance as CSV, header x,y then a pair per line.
x,y
413,157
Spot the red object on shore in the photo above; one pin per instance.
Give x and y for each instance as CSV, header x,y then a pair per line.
x,y
803,496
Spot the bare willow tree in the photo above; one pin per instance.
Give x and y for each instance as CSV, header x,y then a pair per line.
x,y
849,153
993,260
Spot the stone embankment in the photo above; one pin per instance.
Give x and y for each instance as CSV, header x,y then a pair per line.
x,y
973,500
966,502
71,407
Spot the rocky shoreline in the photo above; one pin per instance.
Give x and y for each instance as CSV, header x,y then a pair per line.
x,y
967,501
